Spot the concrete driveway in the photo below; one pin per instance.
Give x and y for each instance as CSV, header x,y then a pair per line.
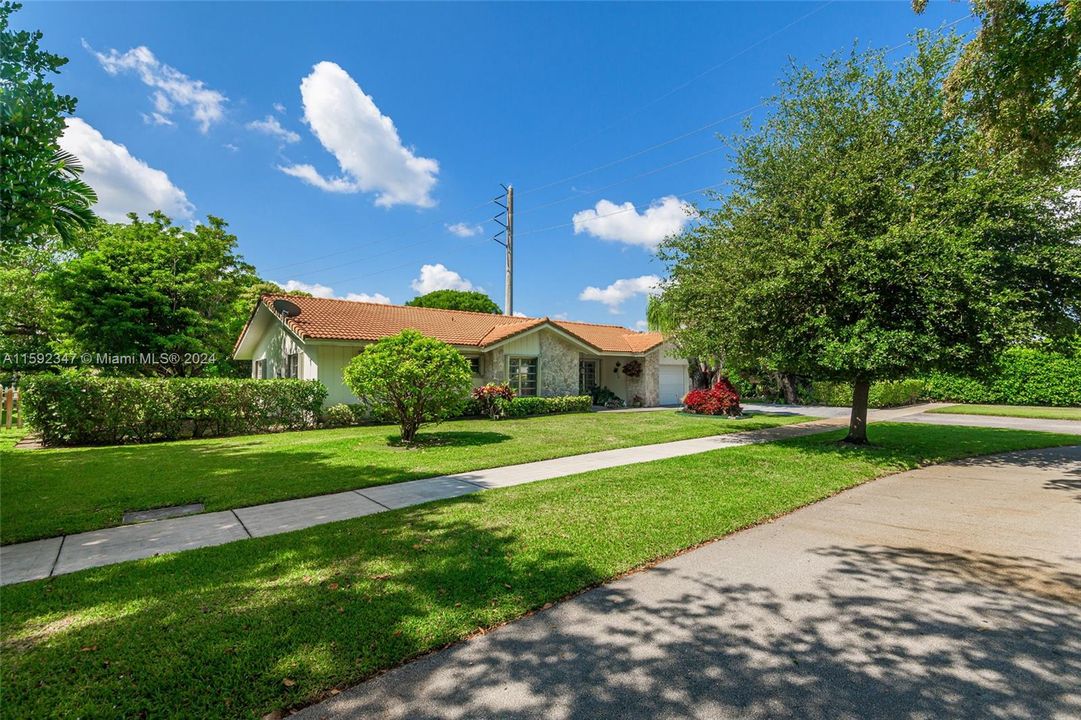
x,y
946,592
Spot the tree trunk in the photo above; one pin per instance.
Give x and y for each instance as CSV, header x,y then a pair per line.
x,y
788,387
702,375
857,424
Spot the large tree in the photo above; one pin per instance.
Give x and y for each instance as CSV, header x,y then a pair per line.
x,y
42,198
456,300
869,235
155,288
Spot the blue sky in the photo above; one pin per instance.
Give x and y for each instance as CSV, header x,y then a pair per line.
x,y
343,142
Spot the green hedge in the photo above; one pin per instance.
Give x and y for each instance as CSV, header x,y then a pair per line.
x,y
882,395
79,409
523,406
1020,377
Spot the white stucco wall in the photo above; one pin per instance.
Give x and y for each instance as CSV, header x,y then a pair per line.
x,y
332,360
275,344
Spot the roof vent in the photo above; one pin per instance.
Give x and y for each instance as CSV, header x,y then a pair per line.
x,y
285,308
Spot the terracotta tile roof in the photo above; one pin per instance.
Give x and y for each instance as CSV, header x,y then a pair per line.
x,y
327,319
611,338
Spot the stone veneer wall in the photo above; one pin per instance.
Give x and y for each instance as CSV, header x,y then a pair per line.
x,y
494,368
648,384
558,366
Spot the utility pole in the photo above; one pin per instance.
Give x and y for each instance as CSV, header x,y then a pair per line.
x,y
506,201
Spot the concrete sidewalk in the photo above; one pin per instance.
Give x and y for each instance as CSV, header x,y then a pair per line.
x,y
953,591
55,556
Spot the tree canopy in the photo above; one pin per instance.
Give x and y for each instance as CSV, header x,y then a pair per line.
x,y
42,197
1020,78
870,235
153,287
456,300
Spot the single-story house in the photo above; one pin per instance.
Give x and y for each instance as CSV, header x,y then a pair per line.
x,y
315,338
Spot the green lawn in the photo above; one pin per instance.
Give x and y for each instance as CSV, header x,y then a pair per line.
x,y
240,630
52,492
1021,411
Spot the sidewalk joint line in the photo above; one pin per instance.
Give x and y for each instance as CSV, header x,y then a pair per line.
x,y
388,507
242,525
56,559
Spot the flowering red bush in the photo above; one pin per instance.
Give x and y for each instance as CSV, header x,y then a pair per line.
x,y
721,399
492,400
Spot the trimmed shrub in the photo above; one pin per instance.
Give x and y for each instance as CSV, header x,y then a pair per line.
x,y
82,409
1021,376
603,396
721,399
884,394
346,415
523,406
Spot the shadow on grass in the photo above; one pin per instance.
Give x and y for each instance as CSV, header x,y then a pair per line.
x,y
303,613
882,632
453,438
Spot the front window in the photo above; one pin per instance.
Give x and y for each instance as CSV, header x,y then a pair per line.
x,y
259,371
587,376
292,365
474,365
523,376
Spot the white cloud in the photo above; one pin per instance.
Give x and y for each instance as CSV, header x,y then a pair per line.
x,y
279,108
463,230
439,277
123,182
520,314
156,118
641,326
622,290
623,223
172,87
230,147
377,298
273,128
323,291
363,140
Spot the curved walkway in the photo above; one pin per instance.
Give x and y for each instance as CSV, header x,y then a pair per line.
x,y
949,591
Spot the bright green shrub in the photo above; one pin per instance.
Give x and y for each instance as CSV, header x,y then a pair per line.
x,y
523,406
417,379
882,395
1021,376
82,409
343,415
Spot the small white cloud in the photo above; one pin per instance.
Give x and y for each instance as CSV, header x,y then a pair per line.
x,y
156,118
231,147
622,290
324,291
438,277
270,126
641,326
363,140
315,289
518,313
463,230
559,316
623,223
123,182
377,298
279,108
172,88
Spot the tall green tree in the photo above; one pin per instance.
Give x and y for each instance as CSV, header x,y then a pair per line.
x,y
870,235
1020,78
470,300
41,194
155,288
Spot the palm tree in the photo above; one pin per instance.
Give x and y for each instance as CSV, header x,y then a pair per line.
x,y
70,198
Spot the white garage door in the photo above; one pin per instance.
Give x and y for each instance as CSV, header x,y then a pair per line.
x,y
674,383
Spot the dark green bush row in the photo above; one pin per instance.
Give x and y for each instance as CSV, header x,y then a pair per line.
x,y
882,395
523,406
80,409
1020,377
